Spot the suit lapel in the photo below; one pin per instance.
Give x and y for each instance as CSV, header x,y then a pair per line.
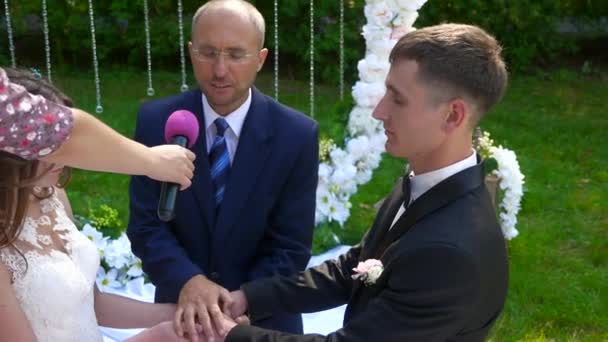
x,y
201,182
386,214
252,151
385,217
437,197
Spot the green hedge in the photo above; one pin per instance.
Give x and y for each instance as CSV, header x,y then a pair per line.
x,y
526,29
120,34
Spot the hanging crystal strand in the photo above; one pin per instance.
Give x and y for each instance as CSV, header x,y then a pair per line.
x,y
276,50
47,45
150,90
312,59
182,57
341,50
9,30
99,108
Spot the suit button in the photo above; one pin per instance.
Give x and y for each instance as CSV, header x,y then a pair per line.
x,y
215,276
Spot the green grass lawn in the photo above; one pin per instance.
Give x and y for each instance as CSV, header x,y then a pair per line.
x,y
557,123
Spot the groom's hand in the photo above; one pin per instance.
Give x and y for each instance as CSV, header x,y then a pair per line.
x,y
162,332
239,304
228,324
199,302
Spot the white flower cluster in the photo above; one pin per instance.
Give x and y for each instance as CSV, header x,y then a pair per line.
x,y
485,144
511,182
119,265
339,177
347,168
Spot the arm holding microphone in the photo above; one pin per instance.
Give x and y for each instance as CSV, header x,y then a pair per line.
x,y
92,145
32,127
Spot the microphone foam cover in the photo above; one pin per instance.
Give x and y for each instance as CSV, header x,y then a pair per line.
x,y
182,122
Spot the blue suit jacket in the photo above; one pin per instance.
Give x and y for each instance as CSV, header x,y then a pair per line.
x,y
266,219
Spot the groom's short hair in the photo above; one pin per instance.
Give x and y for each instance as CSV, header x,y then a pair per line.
x,y
456,60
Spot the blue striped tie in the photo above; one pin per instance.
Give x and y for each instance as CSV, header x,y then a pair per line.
x,y
220,162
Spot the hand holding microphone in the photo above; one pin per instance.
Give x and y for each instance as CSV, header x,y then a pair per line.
x,y
182,130
171,163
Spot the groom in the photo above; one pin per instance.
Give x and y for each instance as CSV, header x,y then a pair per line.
x,y
444,261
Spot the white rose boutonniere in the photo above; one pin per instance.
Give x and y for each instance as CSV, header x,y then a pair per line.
x,y
368,271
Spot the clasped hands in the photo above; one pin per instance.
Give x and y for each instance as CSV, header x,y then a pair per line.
x,y
207,312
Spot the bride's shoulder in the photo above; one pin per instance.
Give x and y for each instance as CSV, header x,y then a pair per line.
x,y
14,325
12,264
6,276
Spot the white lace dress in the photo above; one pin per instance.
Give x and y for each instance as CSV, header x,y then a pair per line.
x,y
55,286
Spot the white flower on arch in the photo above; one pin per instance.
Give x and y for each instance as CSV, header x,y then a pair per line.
x,y
388,20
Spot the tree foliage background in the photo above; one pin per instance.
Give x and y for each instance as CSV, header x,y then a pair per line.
x,y
528,31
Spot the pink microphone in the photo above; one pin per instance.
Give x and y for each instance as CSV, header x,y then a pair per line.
x,y
182,123
181,129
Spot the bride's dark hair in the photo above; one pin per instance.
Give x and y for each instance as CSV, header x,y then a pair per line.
x,y
17,175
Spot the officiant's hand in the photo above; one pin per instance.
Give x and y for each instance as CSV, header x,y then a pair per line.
x,y
199,302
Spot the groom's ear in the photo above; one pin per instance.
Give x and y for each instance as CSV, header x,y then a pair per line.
x,y
457,116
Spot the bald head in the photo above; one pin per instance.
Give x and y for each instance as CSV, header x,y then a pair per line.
x,y
240,8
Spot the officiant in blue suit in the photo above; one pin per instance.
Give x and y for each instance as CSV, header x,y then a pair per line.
x,y
250,211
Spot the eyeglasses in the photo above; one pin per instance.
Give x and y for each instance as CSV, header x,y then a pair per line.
x,y
210,55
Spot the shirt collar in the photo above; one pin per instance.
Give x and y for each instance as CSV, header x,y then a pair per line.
x,y
423,182
235,119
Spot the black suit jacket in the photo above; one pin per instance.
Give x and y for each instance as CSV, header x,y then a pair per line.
x,y
265,223
444,279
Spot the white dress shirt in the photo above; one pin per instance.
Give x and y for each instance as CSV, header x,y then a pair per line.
x,y
419,184
235,122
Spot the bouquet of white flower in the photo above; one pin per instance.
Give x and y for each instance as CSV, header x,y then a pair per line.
x,y
118,264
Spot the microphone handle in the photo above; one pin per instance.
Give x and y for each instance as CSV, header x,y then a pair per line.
x,y
168,191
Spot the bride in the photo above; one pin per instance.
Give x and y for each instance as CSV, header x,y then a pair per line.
x,y
47,267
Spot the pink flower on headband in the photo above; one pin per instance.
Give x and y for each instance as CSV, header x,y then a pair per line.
x,y
368,271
